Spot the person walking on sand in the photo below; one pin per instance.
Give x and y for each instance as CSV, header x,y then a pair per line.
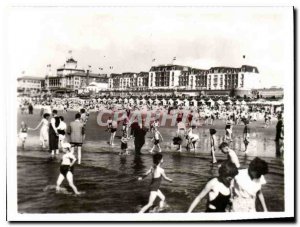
x,y
76,132
67,168
157,174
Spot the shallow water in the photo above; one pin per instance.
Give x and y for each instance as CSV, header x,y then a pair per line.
x,y
109,180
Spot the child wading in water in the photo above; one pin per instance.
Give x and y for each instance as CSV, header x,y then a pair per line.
x,y
246,134
218,189
23,133
231,155
66,168
157,174
212,133
156,137
124,146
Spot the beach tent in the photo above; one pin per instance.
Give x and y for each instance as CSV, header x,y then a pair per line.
x,y
131,101
211,102
104,100
237,102
220,102
171,101
144,101
125,100
164,102
178,101
150,100
228,102
114,100
243,102
186,102
120,100
138,101
194,102
202,101
156,101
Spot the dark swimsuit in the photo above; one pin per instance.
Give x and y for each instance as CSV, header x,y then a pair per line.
x,y
155,183
64,169
220,203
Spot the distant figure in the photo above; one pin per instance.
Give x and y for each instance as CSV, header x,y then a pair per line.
x,y
157,174
53,134
246,134
279,139
247,185
62,127
124,145
30,108
76,132
23,133
156,138
212,133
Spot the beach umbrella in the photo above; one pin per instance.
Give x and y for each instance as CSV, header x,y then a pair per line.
x,y
114,100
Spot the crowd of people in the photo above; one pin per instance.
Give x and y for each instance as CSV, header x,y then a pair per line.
x,y
235,189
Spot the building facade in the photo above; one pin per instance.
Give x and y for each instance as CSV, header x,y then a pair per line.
x,y
166,77
30,84
72,78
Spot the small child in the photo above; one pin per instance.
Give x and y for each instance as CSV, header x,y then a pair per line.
x,y
246,134
212,133
156,137
23,133
124,146
157,174
231,155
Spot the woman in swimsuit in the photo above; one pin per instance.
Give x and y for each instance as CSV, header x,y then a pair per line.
x,y
218,189
157,174
66,168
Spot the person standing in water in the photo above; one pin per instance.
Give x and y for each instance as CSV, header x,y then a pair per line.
x,y
76,132
67,168
246,134
61,130
44,132
247,186
23,133
231,155
124,144
212,133
156,137
53,134
217,189
157,174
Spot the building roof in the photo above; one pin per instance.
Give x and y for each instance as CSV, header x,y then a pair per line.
x,y
30,78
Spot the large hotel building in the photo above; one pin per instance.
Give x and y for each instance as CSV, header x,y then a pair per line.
x,y
167,78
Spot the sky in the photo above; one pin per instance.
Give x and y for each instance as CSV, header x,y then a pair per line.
x,y
130,38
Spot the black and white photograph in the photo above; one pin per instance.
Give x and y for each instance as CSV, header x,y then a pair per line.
x,y
150,113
